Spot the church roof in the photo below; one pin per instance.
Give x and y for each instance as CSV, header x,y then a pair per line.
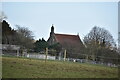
x,y
65,40
70,40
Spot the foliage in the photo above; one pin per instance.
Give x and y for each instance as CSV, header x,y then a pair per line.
x,y
8,34
40,45
32,68
21,36
56,47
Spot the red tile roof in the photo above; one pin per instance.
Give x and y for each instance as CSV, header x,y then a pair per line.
x,y
70,40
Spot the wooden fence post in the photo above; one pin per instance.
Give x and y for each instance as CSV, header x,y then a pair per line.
x,y
46,53
65,55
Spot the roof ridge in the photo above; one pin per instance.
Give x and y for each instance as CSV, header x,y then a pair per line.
x,y
66,34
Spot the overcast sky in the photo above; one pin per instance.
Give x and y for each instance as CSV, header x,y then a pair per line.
x,y
67,17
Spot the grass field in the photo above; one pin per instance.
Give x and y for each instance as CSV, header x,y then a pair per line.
x,y
33,68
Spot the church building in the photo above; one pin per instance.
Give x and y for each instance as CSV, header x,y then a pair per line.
x,y
72,43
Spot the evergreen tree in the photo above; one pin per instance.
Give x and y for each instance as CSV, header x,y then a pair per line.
x,y
40,45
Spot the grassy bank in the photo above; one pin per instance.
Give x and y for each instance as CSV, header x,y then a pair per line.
x,y
34,68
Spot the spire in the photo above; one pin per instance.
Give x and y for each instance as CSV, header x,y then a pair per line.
x,y
52,24
52,29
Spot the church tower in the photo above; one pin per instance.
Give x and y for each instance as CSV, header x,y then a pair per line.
x,y
51,39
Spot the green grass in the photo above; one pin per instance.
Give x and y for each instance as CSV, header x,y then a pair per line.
x,y
33,68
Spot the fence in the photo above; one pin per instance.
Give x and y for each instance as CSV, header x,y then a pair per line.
x,y
40,56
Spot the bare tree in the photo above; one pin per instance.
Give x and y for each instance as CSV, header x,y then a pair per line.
x,y
99,42
25,37
99,36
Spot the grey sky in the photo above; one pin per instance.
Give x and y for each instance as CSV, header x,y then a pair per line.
x,y
67,17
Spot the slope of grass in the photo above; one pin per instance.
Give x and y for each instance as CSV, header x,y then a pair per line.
x,y
33,68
